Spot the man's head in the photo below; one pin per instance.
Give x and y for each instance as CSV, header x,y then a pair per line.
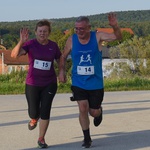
x,y
82,26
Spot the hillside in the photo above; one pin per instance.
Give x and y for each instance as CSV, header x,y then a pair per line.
x,y
138,21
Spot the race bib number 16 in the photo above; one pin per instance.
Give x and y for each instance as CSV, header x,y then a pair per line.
x,y
42,65
85,70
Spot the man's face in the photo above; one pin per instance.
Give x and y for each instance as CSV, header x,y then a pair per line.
x,y
82,29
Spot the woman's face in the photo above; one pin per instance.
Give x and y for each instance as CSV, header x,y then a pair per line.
x,y
42,33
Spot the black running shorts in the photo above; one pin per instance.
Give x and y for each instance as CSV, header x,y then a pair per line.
x,y
94,97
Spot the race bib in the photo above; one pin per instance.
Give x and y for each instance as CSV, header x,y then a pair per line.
x,y
42,65
85,70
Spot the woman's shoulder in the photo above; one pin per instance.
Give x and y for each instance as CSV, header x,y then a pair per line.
x,y
30,42
52,43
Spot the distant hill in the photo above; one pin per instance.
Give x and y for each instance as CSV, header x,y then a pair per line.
x,y
138,21
127,16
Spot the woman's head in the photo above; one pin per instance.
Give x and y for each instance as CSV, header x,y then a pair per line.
x,y
42,31
43,22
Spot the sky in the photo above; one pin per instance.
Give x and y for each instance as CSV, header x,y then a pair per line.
x,y
24,10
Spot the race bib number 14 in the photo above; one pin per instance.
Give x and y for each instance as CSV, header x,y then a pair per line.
x,y
85,70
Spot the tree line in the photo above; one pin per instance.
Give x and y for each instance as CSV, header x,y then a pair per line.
x,y
138,21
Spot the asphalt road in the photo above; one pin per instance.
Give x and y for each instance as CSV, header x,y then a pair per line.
x,y
126,124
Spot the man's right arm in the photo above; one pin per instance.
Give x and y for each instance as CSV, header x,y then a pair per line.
x,y
63,58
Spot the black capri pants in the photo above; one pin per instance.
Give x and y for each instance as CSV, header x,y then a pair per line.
x,y
40,100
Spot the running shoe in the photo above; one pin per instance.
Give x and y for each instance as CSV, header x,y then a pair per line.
x,y
97,120
86,143
32,124
42,144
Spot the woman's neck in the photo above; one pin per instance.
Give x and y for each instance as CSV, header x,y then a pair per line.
x,y
44,42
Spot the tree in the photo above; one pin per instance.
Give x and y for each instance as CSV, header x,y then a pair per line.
x,y
125,36
63,40
9,40
56,35
136,51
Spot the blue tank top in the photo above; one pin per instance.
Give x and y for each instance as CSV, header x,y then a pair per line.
x,y
87,64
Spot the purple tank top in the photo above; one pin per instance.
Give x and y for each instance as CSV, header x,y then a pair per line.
x,y
41,62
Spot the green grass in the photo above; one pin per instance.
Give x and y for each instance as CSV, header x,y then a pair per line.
x,y
129,84
14,83
13,86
